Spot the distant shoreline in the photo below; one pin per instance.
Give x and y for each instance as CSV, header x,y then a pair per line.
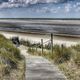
x,y
43,18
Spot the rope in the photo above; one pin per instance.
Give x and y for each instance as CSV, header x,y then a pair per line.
x,y
47,41
43,43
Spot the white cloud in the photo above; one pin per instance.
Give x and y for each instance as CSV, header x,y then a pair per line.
x,y
68,7
16,3
48,10
77,9
36,1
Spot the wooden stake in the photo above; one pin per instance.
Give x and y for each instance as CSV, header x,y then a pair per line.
x,y
42,46
52,44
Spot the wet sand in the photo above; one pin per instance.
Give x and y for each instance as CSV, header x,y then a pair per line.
x,y
68,41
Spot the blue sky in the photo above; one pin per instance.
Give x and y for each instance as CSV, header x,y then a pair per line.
x,y
40,9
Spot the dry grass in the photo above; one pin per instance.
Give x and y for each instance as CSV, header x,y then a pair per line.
x,y
66,58
70,70
13,74
12,64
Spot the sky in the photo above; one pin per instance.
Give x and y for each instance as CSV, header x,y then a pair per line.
x,y
39,8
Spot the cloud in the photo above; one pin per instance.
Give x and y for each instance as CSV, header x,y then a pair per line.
x,y
67,7
47,10
64,7
37,1
17,3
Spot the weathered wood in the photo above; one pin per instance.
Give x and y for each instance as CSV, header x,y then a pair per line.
x,y
42,46
52,45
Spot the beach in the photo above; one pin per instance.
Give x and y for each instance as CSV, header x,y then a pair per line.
x,y
68,41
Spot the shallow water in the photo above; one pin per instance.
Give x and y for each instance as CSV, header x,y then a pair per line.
x,y
30,26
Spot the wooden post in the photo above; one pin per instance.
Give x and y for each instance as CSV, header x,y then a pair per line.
x,y
36,48
52,45
62,46
42,46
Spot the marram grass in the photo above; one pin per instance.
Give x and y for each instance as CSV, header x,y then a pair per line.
x,y
66,58
11,62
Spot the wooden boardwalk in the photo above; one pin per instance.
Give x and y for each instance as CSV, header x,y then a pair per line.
x,y
39,68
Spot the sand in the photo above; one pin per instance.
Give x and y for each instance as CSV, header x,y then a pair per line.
x,y
68,41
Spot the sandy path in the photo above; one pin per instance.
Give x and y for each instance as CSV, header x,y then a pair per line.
x,y
39,68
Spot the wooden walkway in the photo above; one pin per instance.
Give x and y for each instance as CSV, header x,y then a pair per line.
x,y
39,68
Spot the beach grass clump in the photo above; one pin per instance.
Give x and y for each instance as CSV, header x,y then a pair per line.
x,y
70,70
31,50
76,47
66,58
26,43
76,54
61,54
77,59
29,43
8,51
9,58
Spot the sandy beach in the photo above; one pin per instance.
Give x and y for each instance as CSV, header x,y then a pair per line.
x,y
68,41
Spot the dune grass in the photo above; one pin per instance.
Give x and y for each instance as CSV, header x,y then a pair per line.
x,y
66,58
11,62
